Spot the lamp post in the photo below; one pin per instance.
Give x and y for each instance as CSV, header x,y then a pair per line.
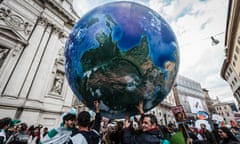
x,y
214,41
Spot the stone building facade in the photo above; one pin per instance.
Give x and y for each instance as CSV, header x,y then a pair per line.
x,y
33,87
224,110
230,71
209,102
163,110
190,95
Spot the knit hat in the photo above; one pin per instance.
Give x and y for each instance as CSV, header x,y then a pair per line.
x,y
14,122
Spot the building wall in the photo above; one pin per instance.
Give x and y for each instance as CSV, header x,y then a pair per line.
x,y
231,65
189,94
209,102
224,110
163,110
33,86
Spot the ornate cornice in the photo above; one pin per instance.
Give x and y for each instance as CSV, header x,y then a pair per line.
x,y
42,20
12,34
56,28
15,21
56,6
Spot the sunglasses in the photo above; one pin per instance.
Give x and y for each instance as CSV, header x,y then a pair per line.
x,y
220,131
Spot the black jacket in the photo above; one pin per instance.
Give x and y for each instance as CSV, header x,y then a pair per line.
x,y
148,137
91,136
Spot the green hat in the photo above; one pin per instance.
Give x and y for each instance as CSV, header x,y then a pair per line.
x,y
14,122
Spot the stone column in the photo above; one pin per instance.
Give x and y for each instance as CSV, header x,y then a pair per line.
x,y
36,62
24,64
9,64
39,87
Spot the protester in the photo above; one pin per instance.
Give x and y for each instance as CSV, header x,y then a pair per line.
x,y
120,132
63,133
182,135
227,136
21,136
195,136
87,134
208,137
178,138
4,124
215,133
236,132
11,130
35,133
171,130
45,131
150,133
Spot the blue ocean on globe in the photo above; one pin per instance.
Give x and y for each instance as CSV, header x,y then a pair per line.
x,y
121,53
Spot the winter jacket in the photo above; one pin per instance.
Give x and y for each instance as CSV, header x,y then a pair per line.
x,y
146,137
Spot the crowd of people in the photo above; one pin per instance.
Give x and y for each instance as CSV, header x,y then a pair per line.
x,y
142,129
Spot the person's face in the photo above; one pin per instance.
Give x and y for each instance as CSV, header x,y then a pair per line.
x,y
12,129
179,116
146,125
36,130
45,130
192,129
19,127
69,123
170,128
222,134
202,126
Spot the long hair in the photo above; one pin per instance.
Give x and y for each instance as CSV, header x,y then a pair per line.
x,y
229,134
4,122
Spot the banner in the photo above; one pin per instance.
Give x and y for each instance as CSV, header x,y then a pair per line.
x,y
179,113
199,122
217,118
195,104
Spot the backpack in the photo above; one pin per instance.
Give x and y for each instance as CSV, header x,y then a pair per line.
x,y
20,138
92,137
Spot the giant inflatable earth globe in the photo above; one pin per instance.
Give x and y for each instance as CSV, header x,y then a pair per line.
x,y
121,53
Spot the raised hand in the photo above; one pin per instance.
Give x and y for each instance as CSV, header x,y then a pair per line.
x,y
140,107
97,106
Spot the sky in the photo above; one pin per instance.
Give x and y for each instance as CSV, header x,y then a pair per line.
x,y
193,22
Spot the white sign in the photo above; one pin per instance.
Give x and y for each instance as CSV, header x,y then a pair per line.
x,y
218,118
195,104
199,122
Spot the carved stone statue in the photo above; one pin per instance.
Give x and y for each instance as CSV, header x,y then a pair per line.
x,y
3,55
58,83
60,57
